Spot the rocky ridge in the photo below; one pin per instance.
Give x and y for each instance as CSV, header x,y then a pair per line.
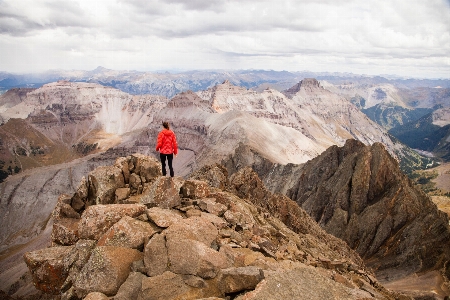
x,y
359,194
128,233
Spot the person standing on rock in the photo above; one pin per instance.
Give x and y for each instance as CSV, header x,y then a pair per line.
x,y
167,147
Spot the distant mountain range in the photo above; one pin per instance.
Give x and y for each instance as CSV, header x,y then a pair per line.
x,y
169,84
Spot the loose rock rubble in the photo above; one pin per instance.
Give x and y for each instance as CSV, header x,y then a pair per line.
x,y
129,233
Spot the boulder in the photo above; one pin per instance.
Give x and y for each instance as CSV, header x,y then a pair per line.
x,y
168,286
122,194
210,205
307,282
96,296
97,219
148,168
79,198
217,221
129,233
61,209
193,213
195,189
162,193
107,268
234,280
65,231
194,228
215,175
75,259
102,183
122,164
47,268
131,287
156,260
192,257
163,217
135,182
240,257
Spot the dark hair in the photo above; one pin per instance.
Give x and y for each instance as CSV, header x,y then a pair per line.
x,y
165,125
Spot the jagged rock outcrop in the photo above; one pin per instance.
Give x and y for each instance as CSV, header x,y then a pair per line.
x,y
212,244
359,194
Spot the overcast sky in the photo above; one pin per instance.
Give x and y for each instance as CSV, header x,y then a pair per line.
x,y
403,37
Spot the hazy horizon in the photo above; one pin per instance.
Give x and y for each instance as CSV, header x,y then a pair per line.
x,y
403,38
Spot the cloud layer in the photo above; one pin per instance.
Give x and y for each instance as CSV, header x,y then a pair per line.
x,y
403,37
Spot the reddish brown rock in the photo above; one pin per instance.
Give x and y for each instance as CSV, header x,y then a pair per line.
x,y
162,193
131,288
129,233
195,228
148,168
58,211
171,286
192,257
102,183
193,213
215,175
122,194
217,221
65,231
122,164
97,219
195,189
80,197
234,280
106,270
163,217
96,296
156,260
47,268
135,182
75,261
210,205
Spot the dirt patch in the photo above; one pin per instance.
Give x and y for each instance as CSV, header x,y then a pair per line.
x,y
443,179
429,284
443,203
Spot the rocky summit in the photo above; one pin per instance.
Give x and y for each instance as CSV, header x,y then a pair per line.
x,y
358,194
129,233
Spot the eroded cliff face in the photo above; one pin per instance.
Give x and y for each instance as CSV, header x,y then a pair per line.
x,y
359,194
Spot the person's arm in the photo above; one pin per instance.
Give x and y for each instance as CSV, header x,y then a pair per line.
x,y
175,145
159,141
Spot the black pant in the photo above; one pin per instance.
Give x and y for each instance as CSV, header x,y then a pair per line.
x,y
163,163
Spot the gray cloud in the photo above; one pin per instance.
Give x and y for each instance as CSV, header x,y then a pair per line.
x,y
249,33
18,20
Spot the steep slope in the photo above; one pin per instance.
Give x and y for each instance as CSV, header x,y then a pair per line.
x,y
323,117
430,133
13,97
359,194
23,147
63,121
390,115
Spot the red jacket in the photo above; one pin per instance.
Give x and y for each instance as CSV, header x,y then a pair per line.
x,y
167,142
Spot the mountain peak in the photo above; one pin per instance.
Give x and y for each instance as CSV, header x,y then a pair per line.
x,y
307,83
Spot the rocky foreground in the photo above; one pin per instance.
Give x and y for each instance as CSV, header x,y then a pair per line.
x,y
129,233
